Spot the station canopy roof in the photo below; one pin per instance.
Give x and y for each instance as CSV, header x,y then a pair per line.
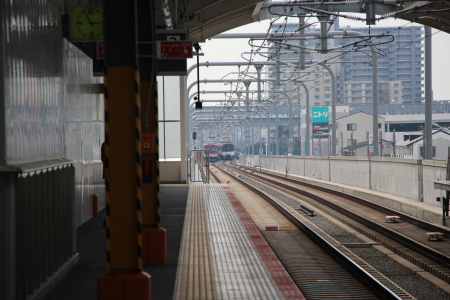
x,y
206,18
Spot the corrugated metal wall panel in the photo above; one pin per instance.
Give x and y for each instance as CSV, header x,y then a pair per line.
x,y
45,235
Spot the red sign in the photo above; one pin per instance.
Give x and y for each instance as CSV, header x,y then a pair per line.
x,y
100,50
147,171
174,49
148,143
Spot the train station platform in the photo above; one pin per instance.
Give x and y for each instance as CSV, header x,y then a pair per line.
x,y
214,251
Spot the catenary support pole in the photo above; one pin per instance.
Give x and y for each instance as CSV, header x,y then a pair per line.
x,y
428,96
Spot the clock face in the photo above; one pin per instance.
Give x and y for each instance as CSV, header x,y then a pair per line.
x,y
86,23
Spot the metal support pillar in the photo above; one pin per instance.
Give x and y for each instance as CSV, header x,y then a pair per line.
x,y
124,278
247,98
323,33
307,119
374,100
258,70
301,35
428,96
333,108
154,238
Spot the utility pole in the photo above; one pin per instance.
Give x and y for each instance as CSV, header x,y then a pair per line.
x,y
428,142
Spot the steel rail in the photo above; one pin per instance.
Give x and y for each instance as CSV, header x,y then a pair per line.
x,y
374,285
424,250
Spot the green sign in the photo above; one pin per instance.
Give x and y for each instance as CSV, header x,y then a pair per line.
x,y
319,114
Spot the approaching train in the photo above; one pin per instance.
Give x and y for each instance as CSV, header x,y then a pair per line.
x,y
226,151
213,151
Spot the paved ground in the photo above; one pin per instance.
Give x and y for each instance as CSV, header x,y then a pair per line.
x,y
81,282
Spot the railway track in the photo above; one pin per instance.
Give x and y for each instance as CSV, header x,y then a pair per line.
x,y
423,256
379,285
212,174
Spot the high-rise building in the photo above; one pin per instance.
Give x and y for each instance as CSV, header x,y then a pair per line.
x,y
400,68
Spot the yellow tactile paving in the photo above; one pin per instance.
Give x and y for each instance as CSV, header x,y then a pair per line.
x,y
194,276
218,260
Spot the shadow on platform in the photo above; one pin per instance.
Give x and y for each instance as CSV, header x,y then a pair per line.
x,y
81,282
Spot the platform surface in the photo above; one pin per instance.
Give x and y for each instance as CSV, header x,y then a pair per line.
x,y
214,251
223,254
81,282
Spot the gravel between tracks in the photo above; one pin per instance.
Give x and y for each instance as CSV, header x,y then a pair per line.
x,y
404,277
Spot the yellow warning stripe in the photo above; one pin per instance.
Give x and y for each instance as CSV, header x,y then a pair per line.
x,y
107,194
138,170
158,210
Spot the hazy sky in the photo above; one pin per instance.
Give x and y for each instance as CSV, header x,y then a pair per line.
x,y
227,50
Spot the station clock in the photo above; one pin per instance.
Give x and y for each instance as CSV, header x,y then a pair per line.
x,y
86,23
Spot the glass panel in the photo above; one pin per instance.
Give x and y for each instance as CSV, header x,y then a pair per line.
x,y
172,98
161,131
160,81
172,140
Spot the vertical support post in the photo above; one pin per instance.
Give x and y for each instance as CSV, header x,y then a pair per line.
x,y
307,120
323,33
253,137
154,238
260,152
428,147
380,135
368,143
374,101
124,278
290,127
258,70
277,65
247,98
301,35
333,108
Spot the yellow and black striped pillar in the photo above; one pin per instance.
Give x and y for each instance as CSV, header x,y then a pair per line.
x,y
154,236
124,278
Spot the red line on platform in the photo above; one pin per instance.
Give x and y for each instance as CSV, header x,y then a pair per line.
x,y
286,286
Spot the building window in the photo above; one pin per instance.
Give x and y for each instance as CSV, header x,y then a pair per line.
x,y
351,127
327,96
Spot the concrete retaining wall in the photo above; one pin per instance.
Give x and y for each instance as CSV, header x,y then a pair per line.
x,y
407,178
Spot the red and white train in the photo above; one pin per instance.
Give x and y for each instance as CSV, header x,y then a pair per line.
x,y
213,151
